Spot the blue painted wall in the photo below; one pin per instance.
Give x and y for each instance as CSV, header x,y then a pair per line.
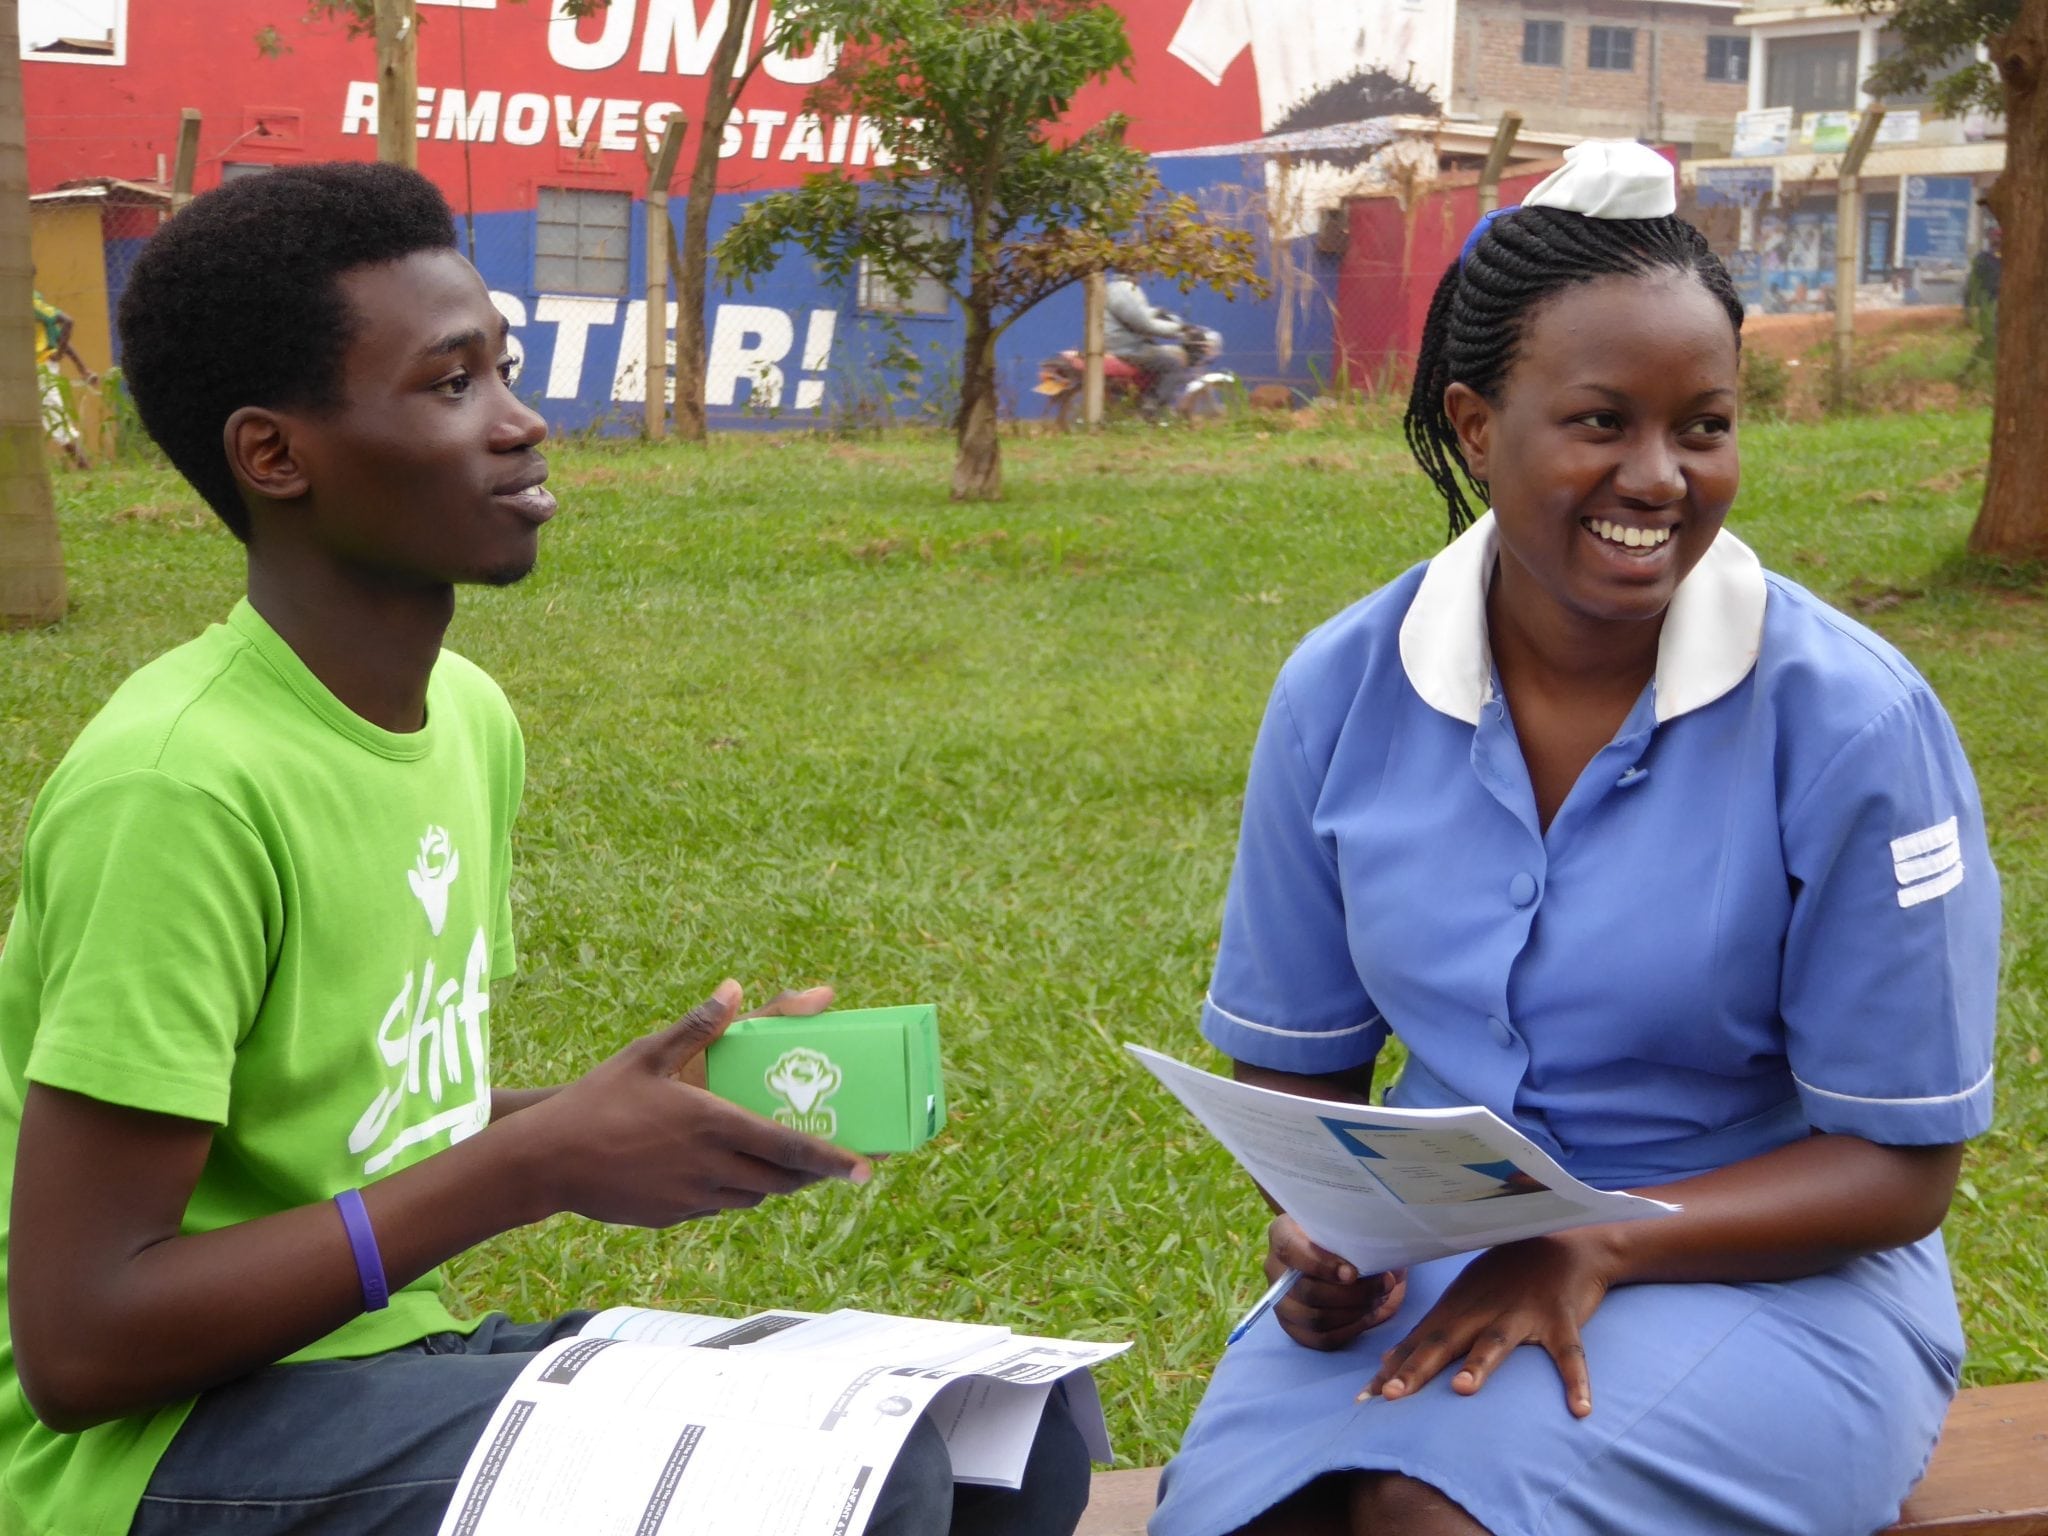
x,y
795,352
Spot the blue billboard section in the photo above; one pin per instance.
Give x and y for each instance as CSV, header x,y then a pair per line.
x,y
795,351
1938,220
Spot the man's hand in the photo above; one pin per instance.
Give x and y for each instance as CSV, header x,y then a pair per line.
x,y
1331,1304
1539,1291
629,1143
783,1005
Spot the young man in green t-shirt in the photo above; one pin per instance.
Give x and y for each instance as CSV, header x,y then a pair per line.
x,y
246,1000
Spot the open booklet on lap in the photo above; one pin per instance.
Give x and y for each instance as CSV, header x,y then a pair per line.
x,y
783,1423
1386,1188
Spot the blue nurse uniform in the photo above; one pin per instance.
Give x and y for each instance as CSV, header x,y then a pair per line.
x,y
1765,909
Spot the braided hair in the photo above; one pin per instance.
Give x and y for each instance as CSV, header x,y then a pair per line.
x,y
1482,306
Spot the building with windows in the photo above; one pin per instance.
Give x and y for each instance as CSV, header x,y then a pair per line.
x,y
1667,71
1770,203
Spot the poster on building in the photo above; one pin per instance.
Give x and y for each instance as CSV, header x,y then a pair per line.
x,y
1322,66
1735,186
1746,271
1765,132
1828,132
1937,237
1797,251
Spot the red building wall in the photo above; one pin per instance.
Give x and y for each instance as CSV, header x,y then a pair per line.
x,y
496,82
1393,259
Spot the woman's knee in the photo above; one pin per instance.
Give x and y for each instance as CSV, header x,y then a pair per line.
x,y
1388,1504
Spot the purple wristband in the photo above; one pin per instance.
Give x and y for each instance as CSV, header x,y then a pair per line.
x,y
362,1242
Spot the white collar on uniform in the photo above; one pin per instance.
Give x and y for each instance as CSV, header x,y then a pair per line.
x,y
1709,643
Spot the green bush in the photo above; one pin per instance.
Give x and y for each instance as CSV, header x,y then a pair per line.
x,y
1766,386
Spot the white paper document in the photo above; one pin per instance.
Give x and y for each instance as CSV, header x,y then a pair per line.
x,y
1386,1188
781,1424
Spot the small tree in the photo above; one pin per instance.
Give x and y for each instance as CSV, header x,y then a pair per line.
x,y
724,80
2012,522
723,83
978,193
31,559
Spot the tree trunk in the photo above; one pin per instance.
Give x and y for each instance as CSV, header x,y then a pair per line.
x,y
978,467
31,559
691,275
2012,524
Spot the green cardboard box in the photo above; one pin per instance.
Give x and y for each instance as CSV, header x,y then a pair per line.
x,y
865,1078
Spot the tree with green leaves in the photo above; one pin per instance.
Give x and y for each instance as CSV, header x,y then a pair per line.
x,y
2012,523
724,79
983,190
31,558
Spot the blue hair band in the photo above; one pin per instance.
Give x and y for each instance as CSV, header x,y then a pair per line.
x,y
1478,230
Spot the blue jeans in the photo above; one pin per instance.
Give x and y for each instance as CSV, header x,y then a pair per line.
x,y
374,1447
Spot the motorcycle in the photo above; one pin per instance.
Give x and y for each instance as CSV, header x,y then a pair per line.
x,y
1203,392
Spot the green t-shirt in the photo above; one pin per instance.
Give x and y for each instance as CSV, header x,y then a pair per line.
x,y
242,903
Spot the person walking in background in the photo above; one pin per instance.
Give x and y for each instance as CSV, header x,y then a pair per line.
x,y
53,349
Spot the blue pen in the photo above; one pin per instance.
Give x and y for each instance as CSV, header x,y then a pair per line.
x,y
1263,1305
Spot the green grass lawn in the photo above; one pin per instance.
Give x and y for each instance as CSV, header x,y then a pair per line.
x,y
792,716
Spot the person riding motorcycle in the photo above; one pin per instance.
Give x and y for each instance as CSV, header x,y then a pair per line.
x,y
1148,338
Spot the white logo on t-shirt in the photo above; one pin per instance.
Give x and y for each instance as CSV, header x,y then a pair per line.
x,y
1927,864
432,1044
432,873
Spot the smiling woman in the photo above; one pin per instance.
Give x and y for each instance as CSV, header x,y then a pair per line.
x,y
1668,864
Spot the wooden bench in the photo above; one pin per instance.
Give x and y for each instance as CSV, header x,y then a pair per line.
x,y
1989,1476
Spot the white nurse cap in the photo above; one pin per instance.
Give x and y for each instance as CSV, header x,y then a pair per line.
x,y
1600,178
1609,179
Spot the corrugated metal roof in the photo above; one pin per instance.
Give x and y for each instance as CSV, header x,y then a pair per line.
x,y
105,189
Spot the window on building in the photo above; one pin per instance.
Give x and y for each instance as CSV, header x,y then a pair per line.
x,y
1543,42
1889,47
926,295
583,241
1728,59
1811,74
1611,48
235,170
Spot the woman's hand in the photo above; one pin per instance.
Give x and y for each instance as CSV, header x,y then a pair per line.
x,y
1540,1291
1331,1304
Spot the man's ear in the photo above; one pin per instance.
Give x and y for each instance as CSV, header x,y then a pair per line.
x,y
259,445
1472,419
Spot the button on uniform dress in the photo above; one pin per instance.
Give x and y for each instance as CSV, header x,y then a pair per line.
x,y
1765,909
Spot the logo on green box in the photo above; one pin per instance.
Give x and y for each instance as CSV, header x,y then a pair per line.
x,y
804,1079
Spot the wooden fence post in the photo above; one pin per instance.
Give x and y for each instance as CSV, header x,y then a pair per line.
x,y
187,162
1849,251
1497,160
1094,299
398,83
659,173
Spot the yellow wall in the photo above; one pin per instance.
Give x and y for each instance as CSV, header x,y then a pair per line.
x,y
71,272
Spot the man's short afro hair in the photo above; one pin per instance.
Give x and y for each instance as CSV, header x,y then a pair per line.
x,y
235,302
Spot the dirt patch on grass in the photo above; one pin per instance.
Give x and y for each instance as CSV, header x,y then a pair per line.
x,y
1788,336
1906,360
178,516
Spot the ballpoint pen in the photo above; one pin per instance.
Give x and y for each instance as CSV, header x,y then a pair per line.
x,y
1263,1305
